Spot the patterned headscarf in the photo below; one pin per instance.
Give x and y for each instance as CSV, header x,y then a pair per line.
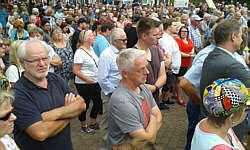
x,y
224,96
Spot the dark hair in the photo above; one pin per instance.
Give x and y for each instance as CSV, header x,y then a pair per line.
x,y
179,33
44,21
107,25
225,29
168,23
63,25
220,121
144,25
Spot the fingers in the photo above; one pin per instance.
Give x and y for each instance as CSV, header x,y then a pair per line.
x,y
69,98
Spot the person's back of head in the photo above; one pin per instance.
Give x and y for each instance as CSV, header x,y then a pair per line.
x,y
225,29
107,25
225,97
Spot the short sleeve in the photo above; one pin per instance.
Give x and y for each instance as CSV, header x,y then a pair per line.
x,y
78,59
12,73
125,116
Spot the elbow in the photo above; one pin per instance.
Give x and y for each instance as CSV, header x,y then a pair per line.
x,y
182,82
40,136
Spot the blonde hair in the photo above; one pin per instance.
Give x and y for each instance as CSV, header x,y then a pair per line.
x,y
6,97
31,26
13,53
84,35
52,33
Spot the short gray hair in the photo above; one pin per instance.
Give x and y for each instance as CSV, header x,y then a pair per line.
x,y
36,30
116,34
21,51
125,60
184,16
206,15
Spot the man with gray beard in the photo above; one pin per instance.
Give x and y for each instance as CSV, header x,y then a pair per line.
x,y
44,103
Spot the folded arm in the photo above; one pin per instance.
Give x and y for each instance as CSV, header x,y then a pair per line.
x,y
70,110
42,130
149,133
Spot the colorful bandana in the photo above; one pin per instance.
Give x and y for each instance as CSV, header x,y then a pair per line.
x,y
224,96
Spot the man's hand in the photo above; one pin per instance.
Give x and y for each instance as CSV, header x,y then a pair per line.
x,y
56,61
152,88
69,98
167,60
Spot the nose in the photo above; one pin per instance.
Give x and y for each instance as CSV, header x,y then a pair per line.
x,y
41,62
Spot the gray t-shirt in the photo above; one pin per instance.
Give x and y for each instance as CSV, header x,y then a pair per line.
x,y
128,112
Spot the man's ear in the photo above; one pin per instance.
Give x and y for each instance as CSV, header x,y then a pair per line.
x,y
143,36
124,74
233,36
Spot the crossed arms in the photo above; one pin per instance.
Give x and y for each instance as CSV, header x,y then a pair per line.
x,y
151,131
54,121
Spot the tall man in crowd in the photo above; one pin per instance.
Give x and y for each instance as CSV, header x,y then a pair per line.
x,y
81,25
44,103
170,46
109,77
148,33
222,63
101,41
133,112
194,32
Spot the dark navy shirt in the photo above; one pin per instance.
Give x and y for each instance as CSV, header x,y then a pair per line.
x,y
30,102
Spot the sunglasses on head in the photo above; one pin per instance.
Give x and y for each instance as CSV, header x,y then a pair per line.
x,y
7,116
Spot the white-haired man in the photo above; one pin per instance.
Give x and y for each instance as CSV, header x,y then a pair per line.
x,y
44,103
109,76
133,112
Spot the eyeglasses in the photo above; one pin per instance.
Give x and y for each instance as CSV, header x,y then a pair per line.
x,y
7,116
45,59
184,31
123,40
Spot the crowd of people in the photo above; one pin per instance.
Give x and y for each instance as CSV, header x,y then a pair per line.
x,y
133,61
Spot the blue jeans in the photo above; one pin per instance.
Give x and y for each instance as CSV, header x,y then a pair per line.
x,y
193,113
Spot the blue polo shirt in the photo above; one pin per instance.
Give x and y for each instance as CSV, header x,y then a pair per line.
x,y
32,100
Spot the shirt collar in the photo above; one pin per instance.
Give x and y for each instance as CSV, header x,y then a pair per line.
x,y
114,49
223,49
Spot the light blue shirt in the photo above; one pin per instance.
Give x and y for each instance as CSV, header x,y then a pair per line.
x,y
204,140
193,75
108,75
100,44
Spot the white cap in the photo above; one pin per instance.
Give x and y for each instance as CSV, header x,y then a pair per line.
x,y
196,17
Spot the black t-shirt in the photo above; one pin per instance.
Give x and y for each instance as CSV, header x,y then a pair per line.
x,y
131,37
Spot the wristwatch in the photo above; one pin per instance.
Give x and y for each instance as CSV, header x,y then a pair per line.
x,y
156,87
